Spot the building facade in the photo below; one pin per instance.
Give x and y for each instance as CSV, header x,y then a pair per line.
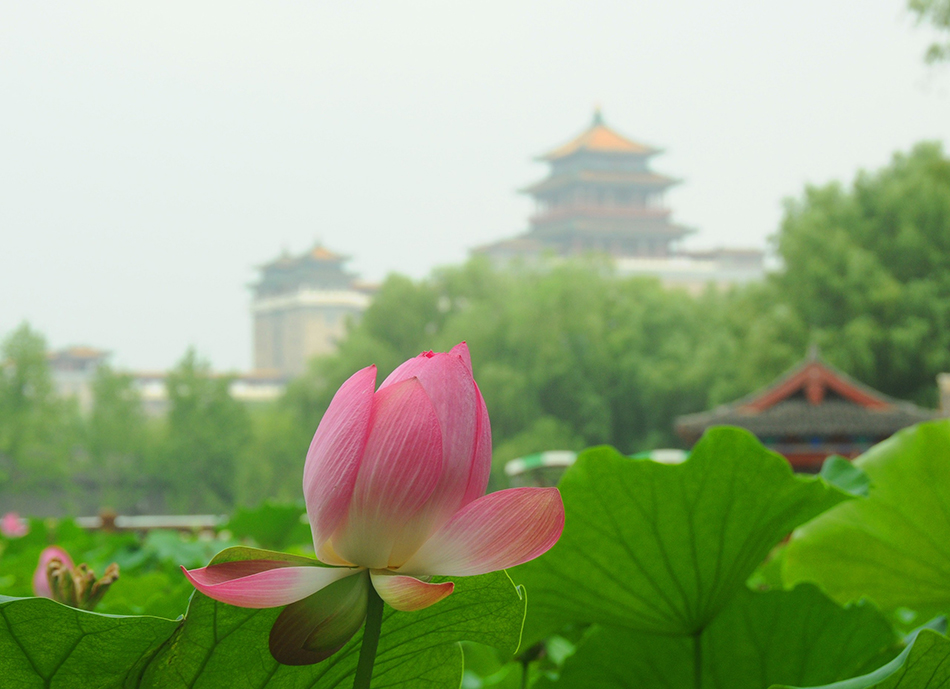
x,y
301,307
73,370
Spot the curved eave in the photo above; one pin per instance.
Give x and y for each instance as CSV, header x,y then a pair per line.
x,y
642,151
654,181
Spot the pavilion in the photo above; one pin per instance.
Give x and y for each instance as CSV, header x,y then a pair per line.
x,y
811,412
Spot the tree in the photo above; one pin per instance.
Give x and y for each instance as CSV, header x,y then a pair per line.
x,y
38,431
207,431
117,440
936,13
867,270
570,357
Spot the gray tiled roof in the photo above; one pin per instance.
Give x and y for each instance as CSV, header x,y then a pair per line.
x,y
797,417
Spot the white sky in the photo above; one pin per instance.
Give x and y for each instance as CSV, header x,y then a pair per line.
x,y
151,154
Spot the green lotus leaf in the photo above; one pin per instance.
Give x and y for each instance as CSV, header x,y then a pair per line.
x,y
45,644
925,664
758,639
662,548
893,546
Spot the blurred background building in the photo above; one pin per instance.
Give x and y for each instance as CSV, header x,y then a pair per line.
x,y
601,197
810,413
301,306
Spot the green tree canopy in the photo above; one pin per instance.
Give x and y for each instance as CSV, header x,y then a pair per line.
x,y
867,270
937,14
38,430
207,431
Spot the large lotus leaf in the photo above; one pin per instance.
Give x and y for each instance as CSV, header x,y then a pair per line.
x,y
923,665
797,636
46,644
894,545
662,548
221,645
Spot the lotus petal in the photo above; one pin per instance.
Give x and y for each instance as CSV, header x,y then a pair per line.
x,y
496,531
408,593
263,583
401,467
333,460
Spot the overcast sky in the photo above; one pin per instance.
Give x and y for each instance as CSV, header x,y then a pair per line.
x,y
151,154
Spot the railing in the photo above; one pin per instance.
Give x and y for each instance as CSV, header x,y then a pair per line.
x,y
179,522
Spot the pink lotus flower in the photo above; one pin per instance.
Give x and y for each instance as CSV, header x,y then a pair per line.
x,y
41,585
394,484
12,526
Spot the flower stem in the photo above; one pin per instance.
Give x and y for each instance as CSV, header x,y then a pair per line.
x,y
374,621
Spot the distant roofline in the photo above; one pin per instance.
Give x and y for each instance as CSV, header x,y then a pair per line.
x,y
317,252
600,139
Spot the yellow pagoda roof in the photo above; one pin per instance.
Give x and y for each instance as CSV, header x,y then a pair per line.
x,y
600,138
321,253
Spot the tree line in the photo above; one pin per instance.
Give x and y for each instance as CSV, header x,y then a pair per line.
x,y
567,357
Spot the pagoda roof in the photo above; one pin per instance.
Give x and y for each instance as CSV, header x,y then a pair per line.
x,y
317,253
625,179
321,253
599,138
812,400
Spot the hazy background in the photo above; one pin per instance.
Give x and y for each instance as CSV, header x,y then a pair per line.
x,y
151,156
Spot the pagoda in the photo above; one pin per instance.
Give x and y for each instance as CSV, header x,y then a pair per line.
x,y
301,307
811,412
599,196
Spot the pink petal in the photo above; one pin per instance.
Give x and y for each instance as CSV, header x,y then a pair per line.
x,y
461,351
333,460
400,469
40,580
12,527
408,593
496,531
262,583
481,459
448,383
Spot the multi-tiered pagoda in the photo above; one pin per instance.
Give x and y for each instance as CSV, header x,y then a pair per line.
x,y
600,196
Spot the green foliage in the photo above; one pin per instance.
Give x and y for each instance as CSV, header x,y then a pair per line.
x,y
575,356
892,546
271,525
936,13
759,639
922,665
662,548
845,475
647,588
150,581
38,431
868,272
222,644
118,441
46,644
207,430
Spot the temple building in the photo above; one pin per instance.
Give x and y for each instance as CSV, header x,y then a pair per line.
x,y
73,370
601,197
301,307
811,412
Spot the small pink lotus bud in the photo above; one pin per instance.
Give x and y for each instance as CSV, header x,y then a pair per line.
x,y
12,526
